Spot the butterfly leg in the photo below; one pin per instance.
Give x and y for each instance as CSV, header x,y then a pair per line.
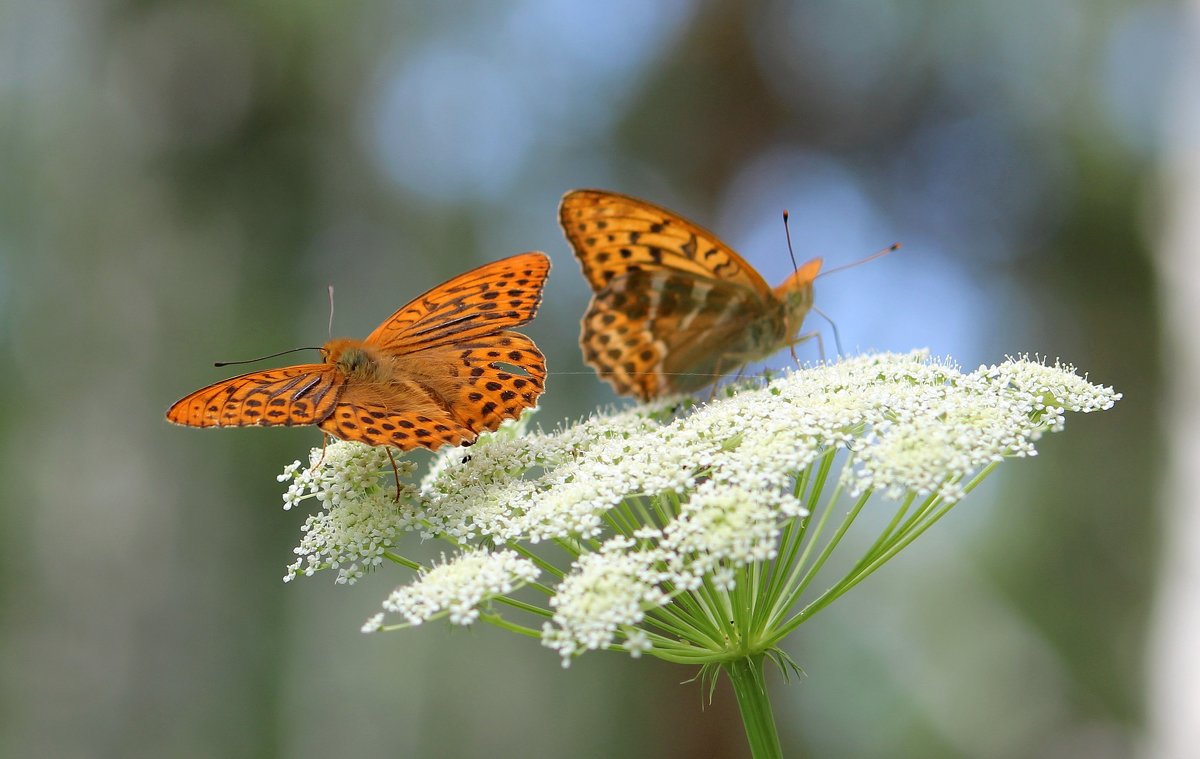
x,y
395,472
716,379
324,445
837,338
805,338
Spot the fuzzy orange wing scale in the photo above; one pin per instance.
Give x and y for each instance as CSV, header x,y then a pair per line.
x,y
293,395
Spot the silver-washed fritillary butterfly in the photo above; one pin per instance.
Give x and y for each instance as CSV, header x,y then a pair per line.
x,y
438,371
672,306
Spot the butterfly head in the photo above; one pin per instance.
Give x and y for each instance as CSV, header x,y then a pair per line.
x,y
353,358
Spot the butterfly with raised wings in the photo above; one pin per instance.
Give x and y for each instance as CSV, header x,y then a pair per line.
x,y
437,372
673,308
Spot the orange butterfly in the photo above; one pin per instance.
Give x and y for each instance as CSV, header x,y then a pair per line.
x,y
672,307
433,373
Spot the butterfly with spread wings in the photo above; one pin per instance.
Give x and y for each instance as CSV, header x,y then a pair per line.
x,y
672,306
438,371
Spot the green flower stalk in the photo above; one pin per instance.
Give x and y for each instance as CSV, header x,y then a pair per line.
x,y
697,534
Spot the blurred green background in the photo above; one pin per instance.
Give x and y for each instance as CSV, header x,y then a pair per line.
x,y
180,181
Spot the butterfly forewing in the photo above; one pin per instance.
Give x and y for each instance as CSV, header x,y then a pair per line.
x,y
613,234
483,301
293,395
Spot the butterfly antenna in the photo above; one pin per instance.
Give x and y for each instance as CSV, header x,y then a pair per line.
x,y
890,249
264,358
330,286
788,234
837,338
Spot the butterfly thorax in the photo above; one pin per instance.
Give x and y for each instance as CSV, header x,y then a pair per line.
x,y
357,360
796,293
796,306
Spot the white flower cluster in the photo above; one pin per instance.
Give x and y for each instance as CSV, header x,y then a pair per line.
x,y
532,488
361,517
659,499
934,426
606,591
720,528
456,588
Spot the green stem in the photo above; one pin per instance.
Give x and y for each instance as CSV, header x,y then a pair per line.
x,y
541,564
504,624
750,686
537,611
398,559
926,516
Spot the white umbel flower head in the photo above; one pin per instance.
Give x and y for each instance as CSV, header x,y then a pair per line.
x,y
455,589
721,527
606,591
679,531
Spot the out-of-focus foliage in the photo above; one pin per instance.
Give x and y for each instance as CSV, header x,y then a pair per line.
x,y
181,180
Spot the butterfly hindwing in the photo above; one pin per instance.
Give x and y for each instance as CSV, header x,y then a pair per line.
x,y
293,395
653,333
623,354
503,374
420,422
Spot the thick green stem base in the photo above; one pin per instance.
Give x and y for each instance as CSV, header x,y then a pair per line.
x,y
751,688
